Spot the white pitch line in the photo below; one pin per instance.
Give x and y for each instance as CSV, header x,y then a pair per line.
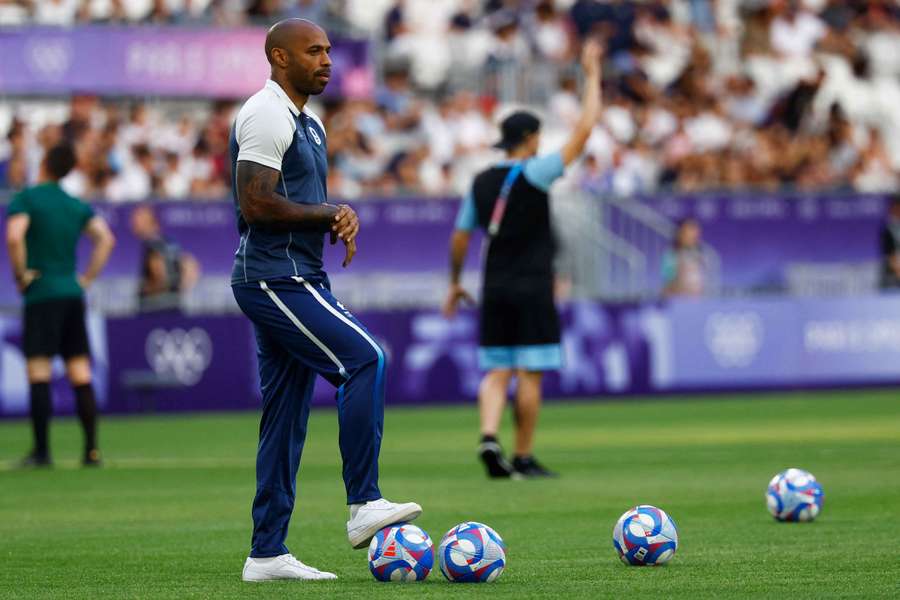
x,y
146,463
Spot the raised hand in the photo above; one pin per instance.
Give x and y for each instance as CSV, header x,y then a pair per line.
x,y
591,57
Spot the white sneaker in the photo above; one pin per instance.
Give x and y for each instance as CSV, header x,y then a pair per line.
x,y
374,516
281,567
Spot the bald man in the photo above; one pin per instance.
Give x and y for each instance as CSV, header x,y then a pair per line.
x,y
279,160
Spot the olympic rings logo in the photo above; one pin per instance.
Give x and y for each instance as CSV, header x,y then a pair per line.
x,y
179,354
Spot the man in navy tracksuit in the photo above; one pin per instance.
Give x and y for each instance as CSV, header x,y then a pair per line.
x,y
279,159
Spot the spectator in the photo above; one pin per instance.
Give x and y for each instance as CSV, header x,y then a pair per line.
x,y
161,13
175,183
702,95
402,111
15,173
136,179
509,47
166,271
874,172
13,13
312,10
564,105
684,267
394,22
56,12
890,246
549,33
794,31
202,172
263,11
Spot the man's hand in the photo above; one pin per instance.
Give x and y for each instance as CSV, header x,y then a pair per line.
x,y
455,295
894,262
85,282
345,226
351,252
591,55
26,278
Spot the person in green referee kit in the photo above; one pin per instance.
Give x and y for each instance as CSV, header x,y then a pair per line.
x,y
42,231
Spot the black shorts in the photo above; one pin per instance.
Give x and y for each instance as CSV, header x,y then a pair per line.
x,y
56,327
519,328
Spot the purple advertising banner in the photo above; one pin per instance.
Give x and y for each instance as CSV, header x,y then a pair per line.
x,y
760,236
781,342
158,61
166,362
757,239
180,363
399,237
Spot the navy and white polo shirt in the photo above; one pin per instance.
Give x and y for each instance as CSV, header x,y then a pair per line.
x,y
271,131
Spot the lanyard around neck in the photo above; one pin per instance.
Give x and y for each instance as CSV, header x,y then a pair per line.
x,y
503,199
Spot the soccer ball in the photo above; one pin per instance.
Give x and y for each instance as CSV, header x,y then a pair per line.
x,y
794,495
645,535
472,553
401,552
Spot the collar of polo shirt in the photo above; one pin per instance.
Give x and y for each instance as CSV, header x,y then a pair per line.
x,y
283,96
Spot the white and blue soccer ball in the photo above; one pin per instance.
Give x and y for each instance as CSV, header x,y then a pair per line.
x,y
794,495
645,535
401,552
472,553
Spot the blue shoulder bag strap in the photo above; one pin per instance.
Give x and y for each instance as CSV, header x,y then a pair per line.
x,y
503,199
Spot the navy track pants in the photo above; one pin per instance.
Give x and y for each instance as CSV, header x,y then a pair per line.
x,y
302,331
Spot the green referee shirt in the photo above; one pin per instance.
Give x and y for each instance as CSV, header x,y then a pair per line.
x,y
56,222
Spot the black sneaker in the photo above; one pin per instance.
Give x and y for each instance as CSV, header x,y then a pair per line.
x,y
35,461
492,456
528,466
92,458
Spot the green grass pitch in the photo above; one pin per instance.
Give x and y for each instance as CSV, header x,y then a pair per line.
x,y
169,516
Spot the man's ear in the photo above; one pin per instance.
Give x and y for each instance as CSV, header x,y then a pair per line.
x,y
279,57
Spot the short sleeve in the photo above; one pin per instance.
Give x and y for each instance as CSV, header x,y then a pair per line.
x,y
264,135
18,205
541,172
466,219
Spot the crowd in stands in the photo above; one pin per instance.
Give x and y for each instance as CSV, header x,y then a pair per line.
x,y
160,12
700,95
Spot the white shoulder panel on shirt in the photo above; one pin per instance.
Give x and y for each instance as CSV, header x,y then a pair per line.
x,y
264,129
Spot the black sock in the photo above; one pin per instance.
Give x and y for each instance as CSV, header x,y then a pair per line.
x,y
87,414
485,439
41,408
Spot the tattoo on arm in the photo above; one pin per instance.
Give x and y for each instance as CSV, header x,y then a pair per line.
x,y
264,208
256,180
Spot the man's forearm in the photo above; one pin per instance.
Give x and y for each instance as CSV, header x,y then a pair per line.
x,y
275,213
459,246
591,56
99,256
590,111
590,103
262,207
17,257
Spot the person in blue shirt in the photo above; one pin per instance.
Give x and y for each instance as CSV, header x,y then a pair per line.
x,y
519,325
279,160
